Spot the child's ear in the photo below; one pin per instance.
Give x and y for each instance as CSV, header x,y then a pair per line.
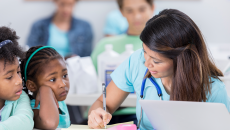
x,y
31,86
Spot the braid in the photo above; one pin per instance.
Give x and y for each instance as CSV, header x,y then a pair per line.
x,y
42,57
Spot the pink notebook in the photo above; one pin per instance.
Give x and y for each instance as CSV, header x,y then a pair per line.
x,y
124,127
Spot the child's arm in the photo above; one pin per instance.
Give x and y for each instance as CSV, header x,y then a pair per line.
x,y
22,119
47,117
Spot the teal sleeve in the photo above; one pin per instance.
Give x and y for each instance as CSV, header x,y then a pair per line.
x,y
64,119
124,76
22,117
32,104
220,96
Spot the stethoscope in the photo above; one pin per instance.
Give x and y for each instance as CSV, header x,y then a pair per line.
x,y
159,92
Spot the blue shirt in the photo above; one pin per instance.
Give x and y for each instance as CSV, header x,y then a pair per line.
x,y
64,119
129,76
59,40
80,35
115,23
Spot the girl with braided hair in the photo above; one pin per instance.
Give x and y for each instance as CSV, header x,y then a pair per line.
x,y
46,81
15,110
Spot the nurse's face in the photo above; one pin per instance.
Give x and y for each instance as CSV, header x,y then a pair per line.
x,y
158,65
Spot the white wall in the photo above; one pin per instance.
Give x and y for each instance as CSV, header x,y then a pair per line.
x,y
212,16
20,14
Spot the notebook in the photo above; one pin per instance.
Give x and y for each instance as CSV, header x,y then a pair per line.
x,y
85,127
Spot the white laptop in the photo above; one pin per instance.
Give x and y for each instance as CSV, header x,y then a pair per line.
x,y
178,115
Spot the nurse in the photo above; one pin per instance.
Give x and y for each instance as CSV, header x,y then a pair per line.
x,y
175,54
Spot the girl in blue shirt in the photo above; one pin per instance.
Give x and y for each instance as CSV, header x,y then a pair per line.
x,y
175,56
15,110
45,75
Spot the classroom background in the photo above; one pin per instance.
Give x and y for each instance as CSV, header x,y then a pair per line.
x,y
211,16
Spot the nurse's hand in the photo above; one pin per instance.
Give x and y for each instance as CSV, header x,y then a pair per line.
x,y
98,118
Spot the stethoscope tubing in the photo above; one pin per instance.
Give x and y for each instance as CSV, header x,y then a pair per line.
x,y
159,92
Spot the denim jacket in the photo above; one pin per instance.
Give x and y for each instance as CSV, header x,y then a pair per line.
x,y
80,35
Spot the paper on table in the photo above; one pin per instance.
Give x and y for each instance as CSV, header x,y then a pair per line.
x,y
85,127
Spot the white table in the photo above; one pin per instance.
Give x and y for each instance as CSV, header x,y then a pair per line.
x,y
89,99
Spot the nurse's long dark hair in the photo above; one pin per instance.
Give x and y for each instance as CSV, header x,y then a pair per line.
x,y
174,35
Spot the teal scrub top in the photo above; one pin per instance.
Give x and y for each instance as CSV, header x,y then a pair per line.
x,y
129,76
59,40
64,119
